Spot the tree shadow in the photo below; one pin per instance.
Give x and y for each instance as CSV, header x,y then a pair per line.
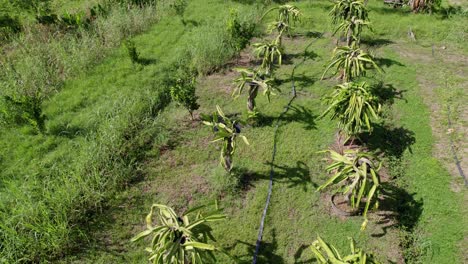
x,y
388,93
288,59
371,42
299,253
391,141
190,22
300,80
146,61
265,255
384,62
293,176
302,115
298,175
298,114
309,34
67,131
398,208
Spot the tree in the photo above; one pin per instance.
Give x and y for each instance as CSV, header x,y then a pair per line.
x,y
345,10
227,131
287,15
326,253
270,54
180,239
354,106
352,62
254,80
352,29
355,176
183,92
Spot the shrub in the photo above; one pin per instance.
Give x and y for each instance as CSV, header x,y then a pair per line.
x,y
9,26
183,92
240,32
180,239
270,53
254,80
326,253
355,176
132,51
25,109
179,6
227,131
354,106
351,62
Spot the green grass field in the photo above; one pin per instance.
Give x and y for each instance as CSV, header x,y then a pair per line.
x,y
115,145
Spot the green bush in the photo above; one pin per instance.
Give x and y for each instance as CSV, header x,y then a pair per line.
x,y
240,32
132,51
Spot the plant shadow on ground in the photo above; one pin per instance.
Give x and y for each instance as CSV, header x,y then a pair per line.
x,y
299,253
398,208
376,43
300,80
385,62
294,176
298,114
67,131
388,93
288,59
308,34
265,254
391,141
146,61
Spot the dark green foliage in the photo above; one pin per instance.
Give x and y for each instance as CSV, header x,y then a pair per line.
x,y
9,25
78,20
183,92
179,7
98,11
33,6
240,32
24,109
132,51
140,3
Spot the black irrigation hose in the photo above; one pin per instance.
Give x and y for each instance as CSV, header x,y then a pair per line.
x,y
452,148
273,156
452,145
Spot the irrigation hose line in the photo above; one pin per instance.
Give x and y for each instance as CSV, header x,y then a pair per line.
x,y
452,145
273,156
452,148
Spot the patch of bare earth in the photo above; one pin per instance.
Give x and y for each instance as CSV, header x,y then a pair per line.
x,y
442,59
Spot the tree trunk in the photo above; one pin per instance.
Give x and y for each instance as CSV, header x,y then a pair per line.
x,y
349,37
253,91
227,155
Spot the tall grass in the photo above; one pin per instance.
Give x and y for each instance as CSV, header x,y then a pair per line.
x,y
52,185
209,45
43,57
